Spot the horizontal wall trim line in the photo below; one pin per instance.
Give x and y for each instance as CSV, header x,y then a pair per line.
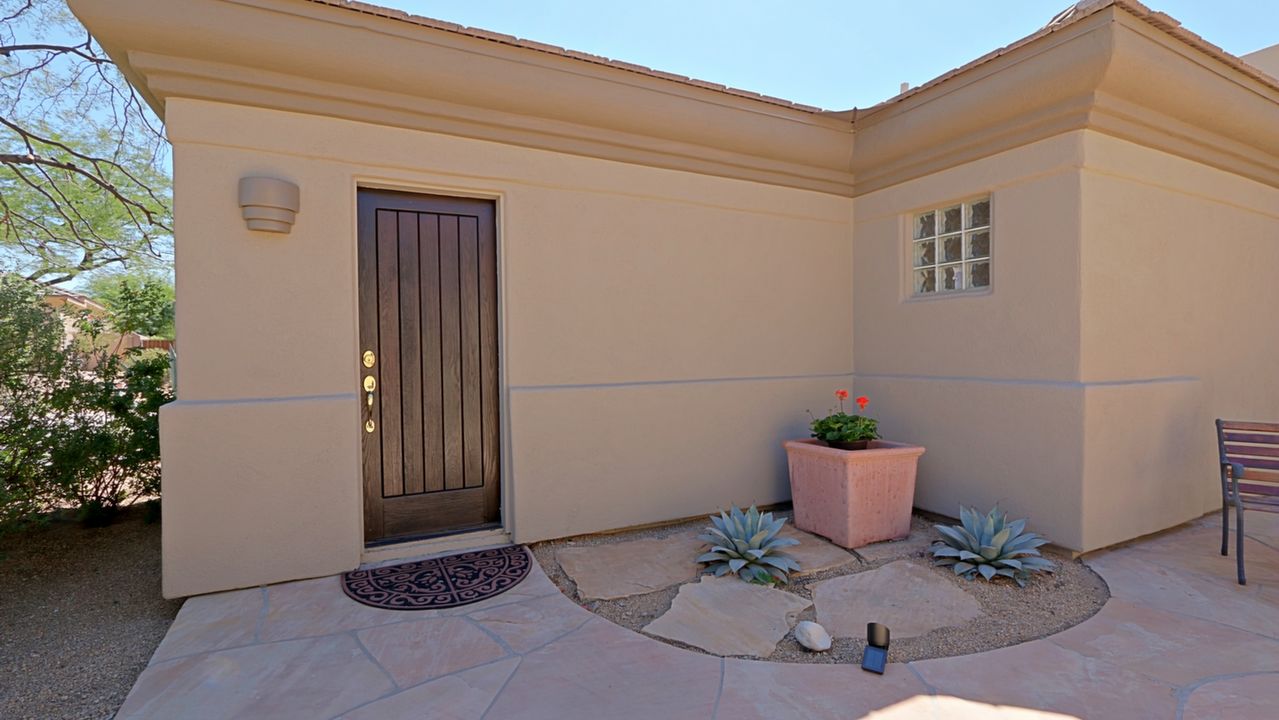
x,y
691,381
1028,381
259,401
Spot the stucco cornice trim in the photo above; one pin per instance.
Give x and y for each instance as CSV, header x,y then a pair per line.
x,y
1111,72
181,77
400,15
314,58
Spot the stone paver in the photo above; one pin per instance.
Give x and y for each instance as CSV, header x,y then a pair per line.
x,y
410,651
1178,636
213,622
756,690
727,616
605,671
814,553
635,567
310,608
1167,646
910,599
1251,697
527,626
463,696
302,679
1044,675
1137,577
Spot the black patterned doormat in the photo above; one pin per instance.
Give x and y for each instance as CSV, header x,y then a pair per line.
x,y
442,582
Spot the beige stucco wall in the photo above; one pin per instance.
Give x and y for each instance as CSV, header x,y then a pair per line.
x,y
1178,286
1127,311
988,382
653,352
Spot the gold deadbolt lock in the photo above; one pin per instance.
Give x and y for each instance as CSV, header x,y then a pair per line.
x,y
368,358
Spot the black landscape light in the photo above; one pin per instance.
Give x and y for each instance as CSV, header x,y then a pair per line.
x,y
876,655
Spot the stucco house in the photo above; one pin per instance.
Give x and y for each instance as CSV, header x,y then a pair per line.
x,y
529,293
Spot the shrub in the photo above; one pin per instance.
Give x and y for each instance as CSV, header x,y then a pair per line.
x,y
78,425
990,546
746,543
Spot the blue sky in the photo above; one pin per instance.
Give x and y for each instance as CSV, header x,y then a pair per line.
x,y
831,54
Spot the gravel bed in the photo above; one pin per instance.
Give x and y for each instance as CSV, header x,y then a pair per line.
x,y
1047,605
80,615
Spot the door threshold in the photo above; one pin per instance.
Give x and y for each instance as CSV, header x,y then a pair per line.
x,y
439,545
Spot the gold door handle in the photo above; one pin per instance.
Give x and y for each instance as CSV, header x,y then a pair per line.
x,y
370,384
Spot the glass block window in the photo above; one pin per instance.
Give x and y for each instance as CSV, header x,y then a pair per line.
x,y
950,248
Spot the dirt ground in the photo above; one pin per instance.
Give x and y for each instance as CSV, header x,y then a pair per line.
x,y
1048,604
80,615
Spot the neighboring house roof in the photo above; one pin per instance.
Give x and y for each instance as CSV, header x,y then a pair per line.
x,y
57,296
1069,16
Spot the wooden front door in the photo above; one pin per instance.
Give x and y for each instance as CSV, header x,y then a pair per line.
x,y
428,340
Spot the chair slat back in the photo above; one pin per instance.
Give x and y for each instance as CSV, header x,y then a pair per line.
x,y
1255,446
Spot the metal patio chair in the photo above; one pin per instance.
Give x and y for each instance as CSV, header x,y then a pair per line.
x,y
1249,453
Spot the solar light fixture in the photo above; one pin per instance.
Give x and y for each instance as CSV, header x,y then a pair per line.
x,y
876,655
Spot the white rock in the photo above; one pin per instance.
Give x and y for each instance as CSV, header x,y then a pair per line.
x,y
812,636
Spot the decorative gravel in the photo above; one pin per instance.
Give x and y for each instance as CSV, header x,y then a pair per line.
x,y
1048,604
80,615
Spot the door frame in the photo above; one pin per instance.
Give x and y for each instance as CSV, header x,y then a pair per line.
x,y
498,198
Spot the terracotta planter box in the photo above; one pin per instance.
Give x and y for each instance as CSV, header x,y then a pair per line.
x,y
853,497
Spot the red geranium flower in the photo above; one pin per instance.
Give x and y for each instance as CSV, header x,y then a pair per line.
x,y
841,394
862,401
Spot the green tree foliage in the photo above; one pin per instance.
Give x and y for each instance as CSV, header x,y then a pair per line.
x,y
83,162
140,302
79,427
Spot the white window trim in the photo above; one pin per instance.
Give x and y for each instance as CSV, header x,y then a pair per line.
x,y
908,232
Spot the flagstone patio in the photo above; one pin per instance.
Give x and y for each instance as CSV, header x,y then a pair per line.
x,y
1178,639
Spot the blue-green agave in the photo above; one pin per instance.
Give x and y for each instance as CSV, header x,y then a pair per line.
x,y
746,543
990,546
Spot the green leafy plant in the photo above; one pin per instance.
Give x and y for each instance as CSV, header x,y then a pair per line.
x,y
841,427
990,546
747,543
79,426
136,301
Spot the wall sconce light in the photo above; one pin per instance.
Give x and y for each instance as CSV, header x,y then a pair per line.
x,y
269,204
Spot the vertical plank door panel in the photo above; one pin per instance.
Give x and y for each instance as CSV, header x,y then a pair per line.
x,y
451,353
469,300
432,387
410,355
491,441
388,390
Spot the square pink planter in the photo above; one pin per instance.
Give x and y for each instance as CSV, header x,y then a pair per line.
x,y
853,497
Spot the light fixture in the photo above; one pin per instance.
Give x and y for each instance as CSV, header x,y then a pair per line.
x,y
269,204
876,656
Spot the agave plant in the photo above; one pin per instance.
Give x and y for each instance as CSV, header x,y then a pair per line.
x,y
990,546
746,543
